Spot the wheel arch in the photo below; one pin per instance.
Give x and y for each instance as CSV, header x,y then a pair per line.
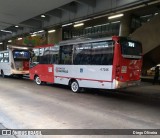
x,y
2,71
35,75
71,80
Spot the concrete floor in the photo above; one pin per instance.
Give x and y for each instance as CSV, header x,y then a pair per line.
x,y
25,105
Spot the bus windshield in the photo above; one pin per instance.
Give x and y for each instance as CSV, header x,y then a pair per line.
x,y
131,49
21,55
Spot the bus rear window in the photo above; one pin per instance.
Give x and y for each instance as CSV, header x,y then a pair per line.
x,y
131,49
21,54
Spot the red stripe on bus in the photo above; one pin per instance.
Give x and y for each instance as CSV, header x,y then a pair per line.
x,y
82,79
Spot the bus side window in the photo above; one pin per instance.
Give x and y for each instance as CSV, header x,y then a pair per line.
x,y
44,59
6,57
1,57
66,54
54,55
54,58
102,53
35,58
82,54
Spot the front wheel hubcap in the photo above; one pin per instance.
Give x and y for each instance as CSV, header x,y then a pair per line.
x,y
38,81
74,86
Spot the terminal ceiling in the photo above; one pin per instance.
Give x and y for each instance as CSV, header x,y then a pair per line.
x,y
27,13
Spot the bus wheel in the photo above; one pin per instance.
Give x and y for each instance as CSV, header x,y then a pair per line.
x,y
2,74
38,80
75,86
20,76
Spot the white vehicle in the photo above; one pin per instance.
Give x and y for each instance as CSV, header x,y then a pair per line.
x,y
14,61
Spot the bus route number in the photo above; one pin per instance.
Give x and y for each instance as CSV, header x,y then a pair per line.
x,y
104,69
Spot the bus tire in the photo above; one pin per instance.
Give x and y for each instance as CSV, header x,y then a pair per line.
x,y
20,76
38,80
2,74
75,86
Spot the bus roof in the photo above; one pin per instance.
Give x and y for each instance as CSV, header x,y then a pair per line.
x,y
83,40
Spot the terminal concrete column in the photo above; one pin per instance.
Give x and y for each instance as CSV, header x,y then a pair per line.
x,y
3,46
55,37
125,27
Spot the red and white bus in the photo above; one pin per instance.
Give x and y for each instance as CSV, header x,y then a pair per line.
x,y
105,63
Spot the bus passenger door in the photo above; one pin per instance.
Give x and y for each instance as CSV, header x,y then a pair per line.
x,y
46,69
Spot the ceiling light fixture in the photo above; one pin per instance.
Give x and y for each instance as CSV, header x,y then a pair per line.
x,y
116,22
9,41
154,2
67,24
116,16
16,26
51,31
41,31
88,27
1,43
78,25
33,35
97,25
43,16
6,31
82,20
35,32
20,38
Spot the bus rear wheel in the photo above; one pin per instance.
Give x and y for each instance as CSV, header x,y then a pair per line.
x,y
75,86
38,80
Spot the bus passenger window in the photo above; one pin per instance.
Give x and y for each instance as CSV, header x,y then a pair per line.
x,y
36,58
44,59
54,55
82,54
102,53
66,55
1,57
6,57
